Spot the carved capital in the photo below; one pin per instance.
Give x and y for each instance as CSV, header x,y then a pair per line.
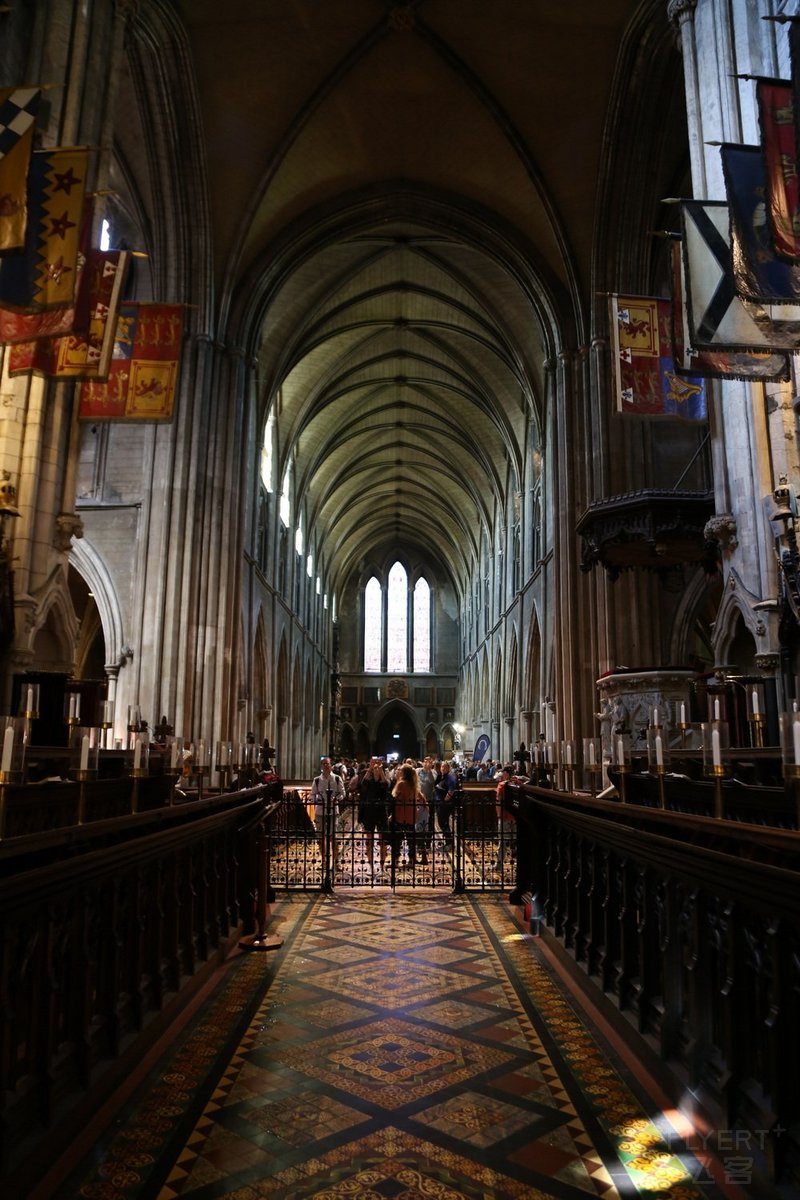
x,y
68,526
768,663
722,530
679,11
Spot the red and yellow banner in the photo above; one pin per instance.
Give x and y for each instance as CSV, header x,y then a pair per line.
x,y
144,367
85,352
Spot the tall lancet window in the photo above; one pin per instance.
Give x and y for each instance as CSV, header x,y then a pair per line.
x,y
422,626
373,625
397,623
397,620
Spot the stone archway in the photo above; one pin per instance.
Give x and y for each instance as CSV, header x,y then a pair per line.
x,y
396,733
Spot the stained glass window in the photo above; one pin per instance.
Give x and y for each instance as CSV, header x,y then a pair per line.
x,y
397,620
373,625
422,626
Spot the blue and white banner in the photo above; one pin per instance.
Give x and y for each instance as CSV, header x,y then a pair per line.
x,y
481,748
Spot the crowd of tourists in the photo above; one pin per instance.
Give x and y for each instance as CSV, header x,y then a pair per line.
x,y
397,802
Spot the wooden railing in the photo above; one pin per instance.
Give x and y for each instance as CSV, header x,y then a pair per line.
x,y
688,929
106,928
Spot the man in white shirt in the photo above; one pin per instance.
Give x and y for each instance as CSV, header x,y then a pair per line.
x,y
327,793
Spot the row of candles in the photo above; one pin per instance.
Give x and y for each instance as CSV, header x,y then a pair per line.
x,y
617,751
180,756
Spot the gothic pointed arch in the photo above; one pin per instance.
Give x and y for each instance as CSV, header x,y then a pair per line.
x,y
93,569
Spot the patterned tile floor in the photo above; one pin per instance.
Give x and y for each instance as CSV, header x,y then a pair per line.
x,y
396,1047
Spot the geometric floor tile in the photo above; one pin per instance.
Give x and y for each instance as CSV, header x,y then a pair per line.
x,y
391,1063
396,1047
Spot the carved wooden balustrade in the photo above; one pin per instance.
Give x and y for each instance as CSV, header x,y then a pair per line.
x,y
106,928
687,930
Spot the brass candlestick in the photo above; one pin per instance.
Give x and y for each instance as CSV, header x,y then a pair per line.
x,y
757,725
624,769
718,772
593,770
661,771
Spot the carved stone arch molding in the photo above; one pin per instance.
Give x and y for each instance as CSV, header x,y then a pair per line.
x,y
52,616
738,602
89,564
693,598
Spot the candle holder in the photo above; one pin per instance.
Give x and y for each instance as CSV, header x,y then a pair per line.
x,y
622,762
72,709
139,755
225,766
592,762
715,749
755,713
85,752
202,763
173,755
657,759
568,763
29,701
12,762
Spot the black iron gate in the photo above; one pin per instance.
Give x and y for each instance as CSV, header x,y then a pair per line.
x,y
478,853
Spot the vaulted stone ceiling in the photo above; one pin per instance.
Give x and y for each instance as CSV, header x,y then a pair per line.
x,y
403,200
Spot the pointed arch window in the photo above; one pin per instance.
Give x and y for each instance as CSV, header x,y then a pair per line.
x,y
373,625
422,625
397,620
397,623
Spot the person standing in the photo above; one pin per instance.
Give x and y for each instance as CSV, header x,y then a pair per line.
x,y
445,790
327,793
373,810
426,777
407,798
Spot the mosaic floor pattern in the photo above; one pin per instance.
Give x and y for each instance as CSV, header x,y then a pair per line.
x,y
395,1048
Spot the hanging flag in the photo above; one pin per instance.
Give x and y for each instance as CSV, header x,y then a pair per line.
x,y
646,383
758,273
85,352
715,364
481,748
54,322
43,274
779,152
718,318
18,111
144,367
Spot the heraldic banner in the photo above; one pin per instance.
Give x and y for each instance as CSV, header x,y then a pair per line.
x,y
144,367
646,383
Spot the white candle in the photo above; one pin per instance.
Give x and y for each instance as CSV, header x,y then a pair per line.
x,y
591,754
29,700
8,749
73,707
656,716
568,753
794,706
173,760
137,754
716,749
620,752
659,751
716,710
755,702
85,752
683,713
795,736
